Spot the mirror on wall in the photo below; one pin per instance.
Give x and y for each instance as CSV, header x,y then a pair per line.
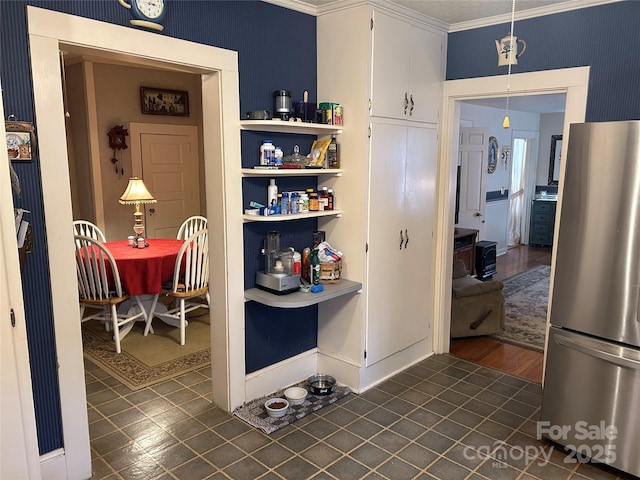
x,y
554,159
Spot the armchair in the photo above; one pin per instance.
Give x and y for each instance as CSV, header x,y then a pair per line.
x,y
477,308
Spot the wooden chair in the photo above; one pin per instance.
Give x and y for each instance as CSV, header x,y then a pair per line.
x,y
190,226
190,280
88,229
100,288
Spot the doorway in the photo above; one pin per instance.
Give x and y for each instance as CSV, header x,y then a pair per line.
x,y
571,81
50,32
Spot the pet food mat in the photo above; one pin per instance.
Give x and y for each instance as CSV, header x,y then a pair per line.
x,y
255,414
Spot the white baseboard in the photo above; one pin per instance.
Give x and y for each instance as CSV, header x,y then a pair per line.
x,y
53,465
281,375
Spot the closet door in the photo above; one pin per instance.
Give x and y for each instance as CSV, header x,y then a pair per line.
x,y
390,67
385,328
419,220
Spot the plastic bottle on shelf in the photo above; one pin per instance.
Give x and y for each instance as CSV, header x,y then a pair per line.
x,y
313,202
294,203
331,199
277,156
267,153
333,153
284,206
272,193
304,202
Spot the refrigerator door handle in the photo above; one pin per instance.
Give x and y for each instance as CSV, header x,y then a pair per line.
x,y
594,352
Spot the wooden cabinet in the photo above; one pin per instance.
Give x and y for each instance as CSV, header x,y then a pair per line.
x,y
389,184
406,70
543,218
464,247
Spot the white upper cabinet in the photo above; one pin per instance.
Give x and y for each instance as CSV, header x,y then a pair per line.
x,y
407,70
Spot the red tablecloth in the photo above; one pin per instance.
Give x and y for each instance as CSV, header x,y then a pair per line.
x,y
142,270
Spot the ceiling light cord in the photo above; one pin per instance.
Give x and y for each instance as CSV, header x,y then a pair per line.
x,y
506,122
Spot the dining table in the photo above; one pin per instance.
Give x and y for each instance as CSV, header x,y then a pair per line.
x,y
144,270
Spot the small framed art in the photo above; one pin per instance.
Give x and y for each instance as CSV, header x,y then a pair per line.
x,y
160,101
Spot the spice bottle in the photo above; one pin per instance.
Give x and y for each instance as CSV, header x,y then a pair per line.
x,y
331,199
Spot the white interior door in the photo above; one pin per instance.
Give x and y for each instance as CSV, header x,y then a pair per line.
x,y
169,159
18,437
385,285
472,157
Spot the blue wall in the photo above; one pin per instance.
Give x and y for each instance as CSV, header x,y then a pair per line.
x,y
606,38
276,49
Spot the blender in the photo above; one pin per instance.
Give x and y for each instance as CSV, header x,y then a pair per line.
x,y
277,276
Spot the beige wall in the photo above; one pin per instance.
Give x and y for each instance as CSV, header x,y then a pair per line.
x,y
117,93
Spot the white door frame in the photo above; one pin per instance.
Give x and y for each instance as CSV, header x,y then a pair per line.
x,y
50,32
18,435
573,82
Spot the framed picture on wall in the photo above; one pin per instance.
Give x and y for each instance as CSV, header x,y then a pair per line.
x,y
21,140
160,101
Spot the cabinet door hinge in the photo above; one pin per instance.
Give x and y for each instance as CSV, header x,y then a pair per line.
x,y
366,247
13,318
369,131
371,23
369,104
365,354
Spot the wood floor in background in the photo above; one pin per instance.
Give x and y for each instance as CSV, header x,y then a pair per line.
x,y
491,353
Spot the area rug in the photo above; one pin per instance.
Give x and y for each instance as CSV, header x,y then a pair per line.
x,y
255,415
145,361
526,295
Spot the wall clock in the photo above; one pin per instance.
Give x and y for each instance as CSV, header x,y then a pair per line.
x,y
117,139
492,162
147,13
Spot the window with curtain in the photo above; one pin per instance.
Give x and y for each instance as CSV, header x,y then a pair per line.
x,y
516,201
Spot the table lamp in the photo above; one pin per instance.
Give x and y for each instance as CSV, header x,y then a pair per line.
x,y
137,194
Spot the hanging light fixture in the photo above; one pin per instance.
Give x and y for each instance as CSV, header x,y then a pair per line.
x,y
511,53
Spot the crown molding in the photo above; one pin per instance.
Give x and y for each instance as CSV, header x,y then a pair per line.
x,y
389,6
530,13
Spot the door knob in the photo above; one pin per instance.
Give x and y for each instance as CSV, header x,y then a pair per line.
x,y
152,211
477,214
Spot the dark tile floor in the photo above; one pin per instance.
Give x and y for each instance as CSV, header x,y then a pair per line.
x,y
444,418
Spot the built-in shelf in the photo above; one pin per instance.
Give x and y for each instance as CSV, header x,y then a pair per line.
x,y
291,172
299,128
286,218
301,299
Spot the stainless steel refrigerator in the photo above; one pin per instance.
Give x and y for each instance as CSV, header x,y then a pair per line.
x,y
591,395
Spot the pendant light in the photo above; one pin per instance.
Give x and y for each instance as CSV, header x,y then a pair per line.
x,y
506,122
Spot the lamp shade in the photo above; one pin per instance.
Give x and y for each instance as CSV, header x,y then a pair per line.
x,y
136,193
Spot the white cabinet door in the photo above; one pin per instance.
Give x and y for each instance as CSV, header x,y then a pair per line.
x,y
401,216
425,76
390,67
406,70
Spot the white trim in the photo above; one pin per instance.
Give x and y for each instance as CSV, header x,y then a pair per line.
x,y
529,13
18,434
320,7
220,93
572,81
53,465
282,374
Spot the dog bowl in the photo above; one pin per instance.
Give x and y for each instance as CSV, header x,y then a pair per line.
x,y
276,407
321,384
295,395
